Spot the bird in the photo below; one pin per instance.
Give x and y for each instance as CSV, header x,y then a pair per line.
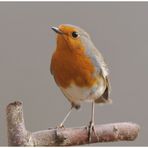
x,y
79,70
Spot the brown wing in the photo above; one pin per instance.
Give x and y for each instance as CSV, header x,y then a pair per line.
x,y
105,98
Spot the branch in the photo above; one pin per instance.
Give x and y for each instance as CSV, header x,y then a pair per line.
x,y
19,136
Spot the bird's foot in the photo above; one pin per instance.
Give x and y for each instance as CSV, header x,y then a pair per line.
x,y
92,130
60,126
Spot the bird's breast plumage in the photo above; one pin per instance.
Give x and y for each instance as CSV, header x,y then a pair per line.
x,y
70,67
76,94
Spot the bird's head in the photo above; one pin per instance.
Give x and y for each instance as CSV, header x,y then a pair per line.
x,y
71,36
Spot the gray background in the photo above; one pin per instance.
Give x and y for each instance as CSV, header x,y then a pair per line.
x,y
119,30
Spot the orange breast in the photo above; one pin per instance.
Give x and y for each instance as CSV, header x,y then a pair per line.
x,y
72,66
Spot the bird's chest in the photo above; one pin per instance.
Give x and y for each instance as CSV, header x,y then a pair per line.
x,y
73,68
77,94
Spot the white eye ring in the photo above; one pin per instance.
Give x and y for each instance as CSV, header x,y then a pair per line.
x,y
75,34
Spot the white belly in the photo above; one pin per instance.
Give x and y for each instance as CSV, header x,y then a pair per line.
x,y
76,94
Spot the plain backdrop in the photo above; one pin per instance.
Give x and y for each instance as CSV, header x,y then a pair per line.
x,y
118,29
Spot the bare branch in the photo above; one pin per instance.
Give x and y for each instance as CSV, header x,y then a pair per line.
x,y
19,136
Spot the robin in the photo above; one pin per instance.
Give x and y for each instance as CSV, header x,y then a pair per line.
x,y
79,70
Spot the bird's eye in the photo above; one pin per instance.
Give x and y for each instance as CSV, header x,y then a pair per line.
x,y
75,34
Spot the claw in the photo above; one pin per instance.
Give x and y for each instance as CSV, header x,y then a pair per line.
x,y
91,131
60,126
57,127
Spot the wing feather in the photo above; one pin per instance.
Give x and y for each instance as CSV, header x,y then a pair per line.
x,y
96,57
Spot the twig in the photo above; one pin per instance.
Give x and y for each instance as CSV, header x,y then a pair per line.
x,y
19,136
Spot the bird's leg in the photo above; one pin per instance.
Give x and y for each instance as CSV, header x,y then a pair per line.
x,y
92,122
62,123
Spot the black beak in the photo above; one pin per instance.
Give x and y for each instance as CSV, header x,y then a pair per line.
x,y
57,30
